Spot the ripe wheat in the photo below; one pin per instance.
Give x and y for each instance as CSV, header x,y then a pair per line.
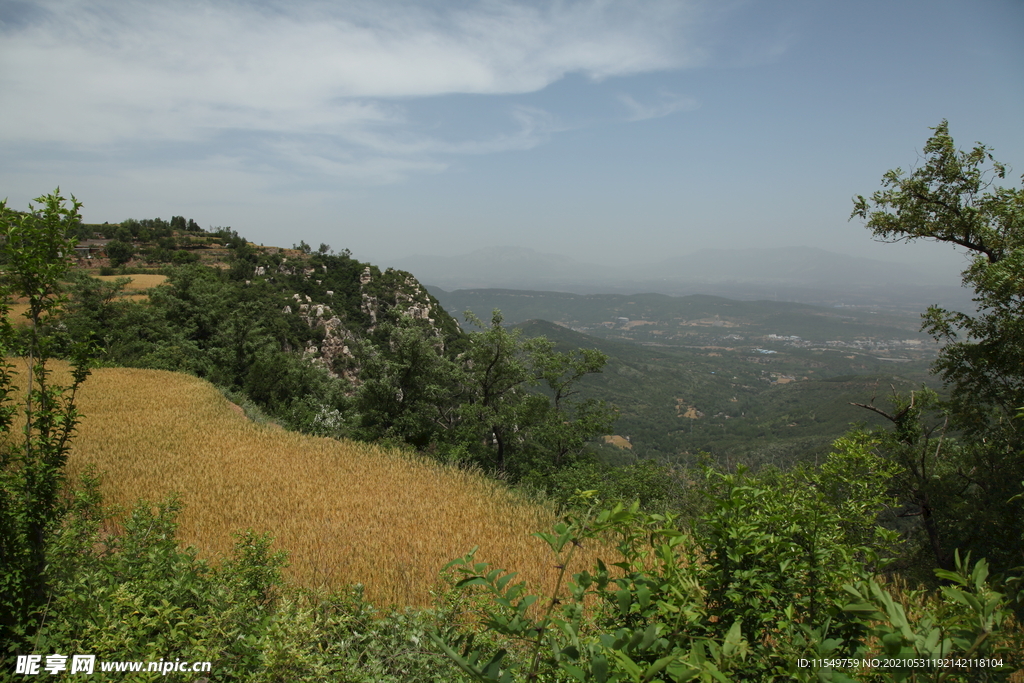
x,y
346,512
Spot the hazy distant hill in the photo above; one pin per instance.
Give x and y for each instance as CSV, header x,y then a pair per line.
x,y
796,265
512,267
786,274
684,320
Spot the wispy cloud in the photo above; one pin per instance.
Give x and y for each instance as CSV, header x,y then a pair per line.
x,y
666,103
114,75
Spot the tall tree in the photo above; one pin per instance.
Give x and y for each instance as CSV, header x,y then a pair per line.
x,y
120,252
409,389
953,198
527,430
34,441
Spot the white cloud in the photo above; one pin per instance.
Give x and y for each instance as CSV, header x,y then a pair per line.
x,y
119,76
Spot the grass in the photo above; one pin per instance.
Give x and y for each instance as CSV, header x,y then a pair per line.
x,y
617,441
347,512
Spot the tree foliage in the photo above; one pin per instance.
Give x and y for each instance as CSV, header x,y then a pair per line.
x,y
120,252
36,436
508,404
953,198
963,489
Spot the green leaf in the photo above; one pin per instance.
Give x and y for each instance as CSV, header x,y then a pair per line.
x,y
599,667
650,635
656,668
575,672
625,599
733,639
503,581
861,608
471,581
893,643
643,596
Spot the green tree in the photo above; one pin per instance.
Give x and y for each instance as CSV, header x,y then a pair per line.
x,y
35,252
568,423
495,409
522,430
953,198
506,402
93,311
119,252
409,388
969,494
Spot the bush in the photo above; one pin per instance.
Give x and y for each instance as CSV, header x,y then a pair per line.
x,y
779,570
136,595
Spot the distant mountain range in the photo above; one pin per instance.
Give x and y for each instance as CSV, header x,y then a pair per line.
x,y
801,274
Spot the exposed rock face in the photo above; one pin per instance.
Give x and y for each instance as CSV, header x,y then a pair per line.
x,y
334,346
370,305
417,304
349,322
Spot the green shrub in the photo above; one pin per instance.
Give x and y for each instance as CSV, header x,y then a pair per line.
x,y
781,569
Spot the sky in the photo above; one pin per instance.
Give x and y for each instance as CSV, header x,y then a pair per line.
x,y
616,132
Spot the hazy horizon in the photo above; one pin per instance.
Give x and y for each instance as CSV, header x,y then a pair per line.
x,y
803,274
612,131
917,255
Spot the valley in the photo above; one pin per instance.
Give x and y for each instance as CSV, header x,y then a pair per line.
x,y
746,382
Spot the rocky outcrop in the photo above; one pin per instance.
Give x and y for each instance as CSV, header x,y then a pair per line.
x,y
369,306
345,325
416,304
335,347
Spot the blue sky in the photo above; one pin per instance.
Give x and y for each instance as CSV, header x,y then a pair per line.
x,y
615,132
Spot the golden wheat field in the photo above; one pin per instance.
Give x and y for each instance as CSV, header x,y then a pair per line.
x,y
138,282
135,290
137,287
16,312
346,512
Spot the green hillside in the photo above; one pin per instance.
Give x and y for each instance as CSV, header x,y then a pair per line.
x,y
738,405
